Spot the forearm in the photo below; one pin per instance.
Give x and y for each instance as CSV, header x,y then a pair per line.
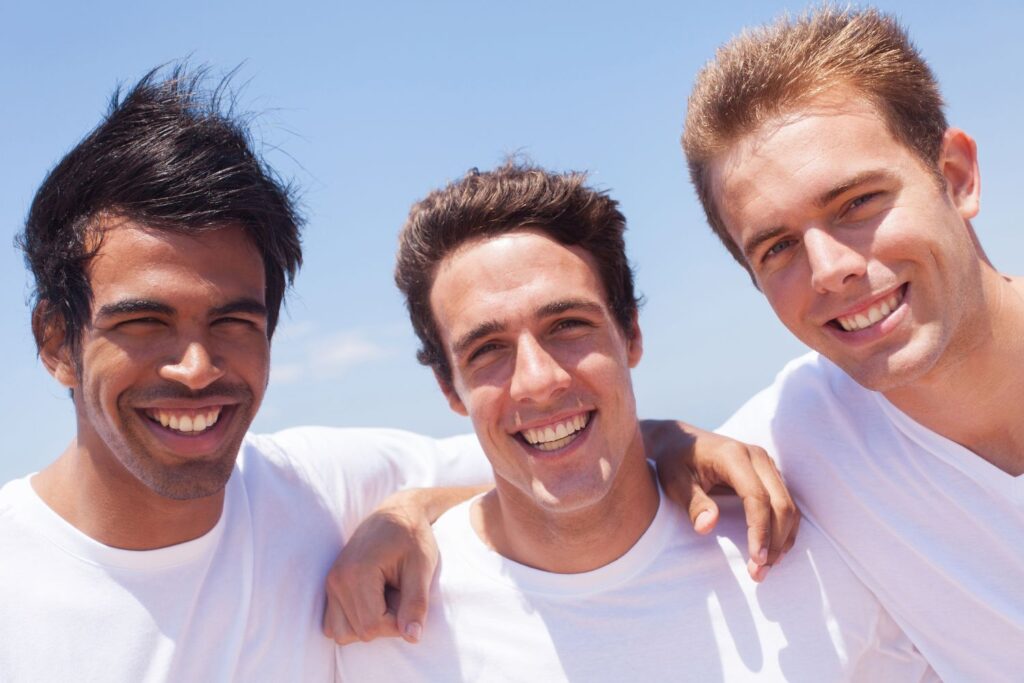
x,y
431,503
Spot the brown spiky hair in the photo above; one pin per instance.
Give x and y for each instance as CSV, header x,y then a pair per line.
x,y
774,69
515,196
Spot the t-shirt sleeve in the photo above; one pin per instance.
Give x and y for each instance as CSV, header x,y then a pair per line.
x,y
355,469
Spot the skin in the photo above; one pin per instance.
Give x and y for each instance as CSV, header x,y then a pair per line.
x,y
177,323
532,343
833,215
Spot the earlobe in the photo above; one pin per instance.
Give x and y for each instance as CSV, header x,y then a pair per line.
x,y
959,166
50,337
454,401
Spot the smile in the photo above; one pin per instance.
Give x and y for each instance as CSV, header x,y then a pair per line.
x,y
876,313
558,435
186,422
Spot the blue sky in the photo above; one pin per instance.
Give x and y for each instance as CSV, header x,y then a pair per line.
x,y
368,106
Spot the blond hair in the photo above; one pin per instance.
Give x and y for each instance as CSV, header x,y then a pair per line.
x,y
767,71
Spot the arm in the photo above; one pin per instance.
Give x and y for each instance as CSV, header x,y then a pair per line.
x,y
379,584
394,547
691,462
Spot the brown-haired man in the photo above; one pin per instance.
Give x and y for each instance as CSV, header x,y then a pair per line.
x,y
821,154
573,567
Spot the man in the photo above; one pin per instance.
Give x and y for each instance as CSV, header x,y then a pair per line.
x,y
823,160
572,567
165,543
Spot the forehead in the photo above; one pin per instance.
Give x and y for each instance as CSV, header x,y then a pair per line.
x,y
510,276
793,159
134,261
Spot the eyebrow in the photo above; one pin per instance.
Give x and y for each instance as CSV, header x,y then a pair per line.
x,y
842,188
823,200
132,306
547,310
245,305
135,306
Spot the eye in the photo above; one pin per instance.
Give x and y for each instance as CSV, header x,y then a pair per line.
x,y
570,323
138,323
481,351
233,321
859,202
777,248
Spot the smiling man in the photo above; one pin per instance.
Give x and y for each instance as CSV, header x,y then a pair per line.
x,y
825,164
575,567
165,542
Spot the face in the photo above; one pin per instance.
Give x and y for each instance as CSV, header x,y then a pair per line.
x,y
174,360
540,366
859,250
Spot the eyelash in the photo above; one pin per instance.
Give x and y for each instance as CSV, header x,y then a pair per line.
x,y
775,248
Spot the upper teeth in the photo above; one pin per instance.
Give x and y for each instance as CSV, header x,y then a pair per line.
x,y
552,437
858,321
188,421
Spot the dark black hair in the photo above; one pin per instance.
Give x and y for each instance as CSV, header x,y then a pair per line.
x,y
169,154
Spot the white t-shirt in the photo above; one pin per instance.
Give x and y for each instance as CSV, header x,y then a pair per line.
x,y
675,607
936,532
243,602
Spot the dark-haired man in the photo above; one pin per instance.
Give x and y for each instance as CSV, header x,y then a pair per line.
x,y
824,162
574,567
165,543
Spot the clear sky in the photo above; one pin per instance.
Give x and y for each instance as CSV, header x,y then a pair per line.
x,y
369,105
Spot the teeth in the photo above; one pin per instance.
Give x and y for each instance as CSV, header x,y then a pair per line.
x,y
553,437
879,311
186,421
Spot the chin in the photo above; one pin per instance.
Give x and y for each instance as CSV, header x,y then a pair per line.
x,y
892,372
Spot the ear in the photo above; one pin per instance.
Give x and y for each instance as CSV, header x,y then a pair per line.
x,y
635,344
454,401
958,163
48,329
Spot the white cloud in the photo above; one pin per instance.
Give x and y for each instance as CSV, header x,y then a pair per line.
x,y
306,355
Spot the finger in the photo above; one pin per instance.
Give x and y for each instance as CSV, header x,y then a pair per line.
x,y
793,533
358,590
703,511
415,598
336,626
677,481
756,505
785,514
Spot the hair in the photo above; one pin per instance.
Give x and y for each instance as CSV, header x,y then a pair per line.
x,y
781,66
169,155
515,196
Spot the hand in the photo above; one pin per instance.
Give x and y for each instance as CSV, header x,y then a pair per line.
x,y
392,549
691,462
380,584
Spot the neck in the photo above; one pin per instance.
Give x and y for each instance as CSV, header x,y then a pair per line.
x,y
96,495
973,396
573,541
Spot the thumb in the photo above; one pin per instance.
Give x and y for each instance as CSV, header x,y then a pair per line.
x,y
414,599
703,511
682,487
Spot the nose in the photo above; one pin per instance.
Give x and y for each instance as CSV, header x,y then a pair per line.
x,y
833,263
196,367
537,377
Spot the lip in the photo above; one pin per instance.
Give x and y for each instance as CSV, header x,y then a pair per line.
x,y
192,446
549,420
879,329
866,305
564,451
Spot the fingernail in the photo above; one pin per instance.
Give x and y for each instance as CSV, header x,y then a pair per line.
x,y
762,556
413,631
703,519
